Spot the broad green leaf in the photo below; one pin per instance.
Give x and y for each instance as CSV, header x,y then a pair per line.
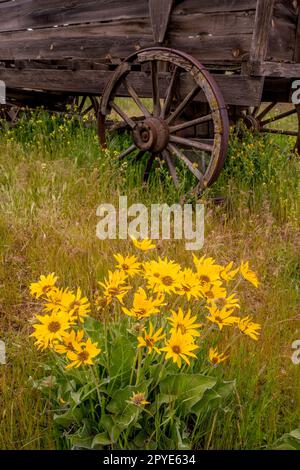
x,y
121,361
290,441
187,389
81,442
101,439
70,417
213,398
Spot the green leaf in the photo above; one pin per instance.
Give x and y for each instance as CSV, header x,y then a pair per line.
x,y
101,439
67,419
76,397
186,389
122,355
81,442
290,441
213,398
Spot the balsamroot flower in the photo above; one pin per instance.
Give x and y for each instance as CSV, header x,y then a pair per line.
x,y
184,324
150,339
143,245
83,354
144,306
51,327
44,286
179,348
215,357
128,264
249,275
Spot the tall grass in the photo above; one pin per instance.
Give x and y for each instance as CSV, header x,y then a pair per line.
x,y
52,178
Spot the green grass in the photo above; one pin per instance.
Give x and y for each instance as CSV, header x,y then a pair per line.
x,y
52,178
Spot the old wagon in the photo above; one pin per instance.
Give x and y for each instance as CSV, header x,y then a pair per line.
x,y
190,68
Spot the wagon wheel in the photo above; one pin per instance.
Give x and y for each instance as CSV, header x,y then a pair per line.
x,y
261,120
157,127
85,106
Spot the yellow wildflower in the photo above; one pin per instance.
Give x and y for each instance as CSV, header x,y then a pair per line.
x,y
115,286
51,327
249,275
150,339
83,355
71,341
189,284
215,357
185,324
144,306
139,399
144,245
222,317
44,286
213,292
128,264
162,275
247,326
227,273
180,347
207,271
226,302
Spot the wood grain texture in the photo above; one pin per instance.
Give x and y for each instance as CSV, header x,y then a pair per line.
x,y
237,90
276,69
260,40
37,14
282,38
211,30
204,37
160,11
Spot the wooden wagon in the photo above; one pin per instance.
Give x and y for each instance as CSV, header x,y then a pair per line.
x,y
191,67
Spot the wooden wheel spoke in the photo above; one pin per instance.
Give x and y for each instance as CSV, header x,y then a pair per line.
x,y
194,122
87,110
136,99
122,114
170,92
139,156
171,167
95,103
189,97
80,107
278,117
174,150
127,152
266,111
155,89
148,167
197,144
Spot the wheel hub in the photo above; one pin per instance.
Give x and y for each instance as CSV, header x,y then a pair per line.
x,y
151,134
252,123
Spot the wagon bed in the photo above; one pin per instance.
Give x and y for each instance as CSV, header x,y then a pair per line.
x,y
51,51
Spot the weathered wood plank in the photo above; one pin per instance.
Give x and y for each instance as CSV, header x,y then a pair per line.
x,y
118,39
260,41
160,11
213,6
282,39
35,14
201,25
237,90
275,69
297,46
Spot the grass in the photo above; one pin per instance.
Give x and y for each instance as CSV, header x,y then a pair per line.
x,y
53,177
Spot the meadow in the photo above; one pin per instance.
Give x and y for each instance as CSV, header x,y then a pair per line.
x,y
53,177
